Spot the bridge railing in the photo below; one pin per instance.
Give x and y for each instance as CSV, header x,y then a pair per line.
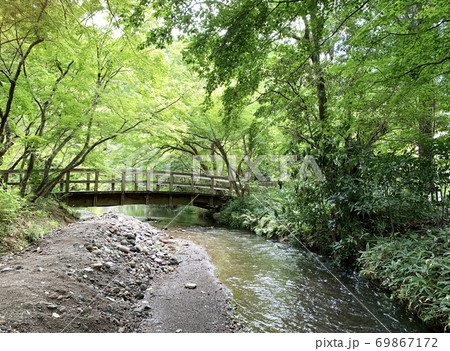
x,y
91,180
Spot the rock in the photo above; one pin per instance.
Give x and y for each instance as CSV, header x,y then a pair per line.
x,y
190,286
133,264
19,267
121,330
2,322
139,296
143,287
55,315
85,327
7,269
97,252
97,265
130,236
109,265
173,261
52,307
88,269
123,249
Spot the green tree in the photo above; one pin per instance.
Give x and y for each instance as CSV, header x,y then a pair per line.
x,y
21,29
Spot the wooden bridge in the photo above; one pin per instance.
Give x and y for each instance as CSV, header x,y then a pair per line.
x,y
89,187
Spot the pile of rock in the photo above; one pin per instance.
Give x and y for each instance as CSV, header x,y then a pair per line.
x,y
125,256
91,276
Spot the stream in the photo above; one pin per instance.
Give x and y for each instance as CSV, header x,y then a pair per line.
x,y
278,288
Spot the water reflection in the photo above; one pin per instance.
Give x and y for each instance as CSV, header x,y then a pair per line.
x,y
278,288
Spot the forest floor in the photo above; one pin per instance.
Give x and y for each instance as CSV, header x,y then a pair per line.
x,y
111,273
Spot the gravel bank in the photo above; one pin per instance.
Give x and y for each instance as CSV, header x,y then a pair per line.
x,y
111,273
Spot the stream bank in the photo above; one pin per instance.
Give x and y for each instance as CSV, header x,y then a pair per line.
x,y
410,267
279,288
99,275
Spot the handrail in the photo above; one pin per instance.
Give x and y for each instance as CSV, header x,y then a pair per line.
x,y
88,180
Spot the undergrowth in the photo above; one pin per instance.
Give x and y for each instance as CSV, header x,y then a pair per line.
x,y
23,223
415,267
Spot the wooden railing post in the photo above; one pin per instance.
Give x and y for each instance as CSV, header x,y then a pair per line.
x,y
192,183
213,183
136,186
149,186
122,185
113,183
96,181
122,188
67,182
88,180
171,182
157,183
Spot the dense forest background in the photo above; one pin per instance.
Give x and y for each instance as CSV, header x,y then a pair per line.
x,y
251,89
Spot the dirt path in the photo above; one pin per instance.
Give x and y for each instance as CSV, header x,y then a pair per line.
x,y
110,273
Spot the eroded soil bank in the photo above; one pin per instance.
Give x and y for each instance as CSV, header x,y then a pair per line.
x,y
111,273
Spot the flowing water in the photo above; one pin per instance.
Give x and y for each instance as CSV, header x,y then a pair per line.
x,y
277,288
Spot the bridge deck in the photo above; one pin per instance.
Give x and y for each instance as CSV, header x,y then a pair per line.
x,y
115,198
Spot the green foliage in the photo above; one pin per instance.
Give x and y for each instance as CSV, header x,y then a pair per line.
x,y
365,196
416,268
264,214
10,204
35,233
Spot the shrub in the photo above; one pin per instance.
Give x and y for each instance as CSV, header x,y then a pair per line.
x,y
10,204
